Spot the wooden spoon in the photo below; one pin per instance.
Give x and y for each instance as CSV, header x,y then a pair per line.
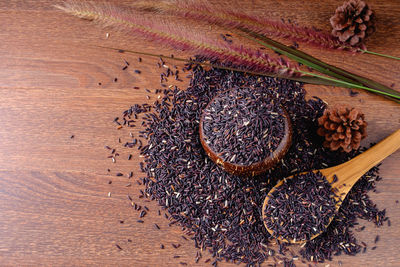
x,y
347,175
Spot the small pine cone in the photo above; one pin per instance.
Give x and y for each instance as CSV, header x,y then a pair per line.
x,y
343,128
353,22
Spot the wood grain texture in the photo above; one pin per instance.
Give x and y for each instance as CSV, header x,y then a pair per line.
x,y
55,208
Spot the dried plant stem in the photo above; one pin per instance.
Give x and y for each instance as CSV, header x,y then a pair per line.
x,y
351,85
311,78
379,54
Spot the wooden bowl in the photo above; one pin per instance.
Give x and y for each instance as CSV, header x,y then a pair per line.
x,y
257,167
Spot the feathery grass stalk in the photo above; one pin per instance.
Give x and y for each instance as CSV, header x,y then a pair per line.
x,y
179,37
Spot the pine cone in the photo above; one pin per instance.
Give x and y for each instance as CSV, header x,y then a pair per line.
x,y
353,22
342,128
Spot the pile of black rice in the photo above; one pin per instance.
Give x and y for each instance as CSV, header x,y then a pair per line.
x,y
222,212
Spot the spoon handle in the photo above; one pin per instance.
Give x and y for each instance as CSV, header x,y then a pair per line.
x,y
352,170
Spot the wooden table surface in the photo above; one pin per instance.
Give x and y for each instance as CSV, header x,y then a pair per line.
x,y
55,207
